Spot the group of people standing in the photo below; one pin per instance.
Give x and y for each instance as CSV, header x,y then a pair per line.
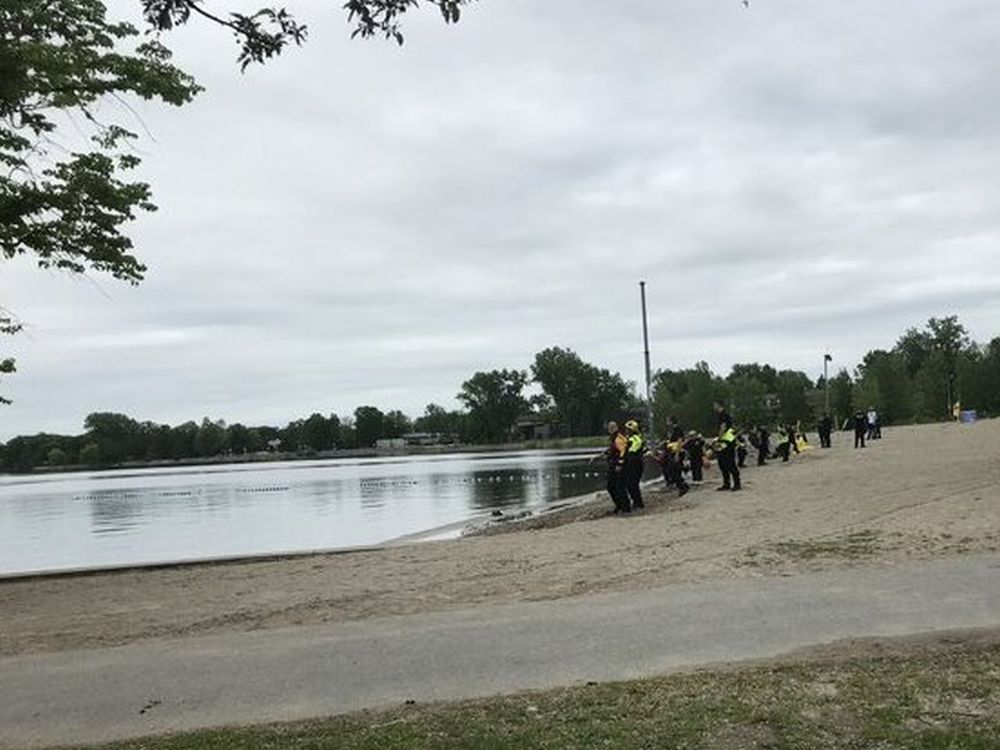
x,y
627,451
683,452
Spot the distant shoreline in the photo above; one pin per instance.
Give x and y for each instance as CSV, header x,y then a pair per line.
x,y
265,457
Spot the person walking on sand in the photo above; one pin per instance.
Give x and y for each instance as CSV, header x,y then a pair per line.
x,y
726,452
635,456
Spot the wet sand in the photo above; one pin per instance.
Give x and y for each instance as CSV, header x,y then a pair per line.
x,y
922,492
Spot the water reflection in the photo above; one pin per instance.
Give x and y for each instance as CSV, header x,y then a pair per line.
x,y
93,520
113,513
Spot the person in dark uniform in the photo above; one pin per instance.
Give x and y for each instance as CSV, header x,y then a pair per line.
x,y
741,450
783,448
635,455
825,429
763,445
615,454
674,430
694,446
726,452
793,437
671,457
860,428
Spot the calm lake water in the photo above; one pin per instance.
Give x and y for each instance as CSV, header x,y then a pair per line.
x,y
61,521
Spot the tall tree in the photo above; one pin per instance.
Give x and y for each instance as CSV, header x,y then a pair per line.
x,y
688,395
438,420
584,396
791,387
841,396
564,377
883,383
316,434
748,399
66,205
265,32
210,438
114,434
61,203
495,401
396,424
369,423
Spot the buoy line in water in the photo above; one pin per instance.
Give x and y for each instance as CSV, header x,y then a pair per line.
x,y
524,478
491,479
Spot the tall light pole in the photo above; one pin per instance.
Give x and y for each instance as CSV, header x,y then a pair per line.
x,y
645,344
826,380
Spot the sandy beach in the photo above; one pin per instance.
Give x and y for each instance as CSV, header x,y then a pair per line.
x,y
919,493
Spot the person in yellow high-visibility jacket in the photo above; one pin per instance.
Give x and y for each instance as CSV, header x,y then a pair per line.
x,y
635,455
726,453
615,454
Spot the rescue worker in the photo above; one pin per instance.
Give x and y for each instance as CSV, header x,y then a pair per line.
x,y
793,436
615,454
741,450
694,446
671,457
860,428
726,452
784,446
635,454
763,445
825,429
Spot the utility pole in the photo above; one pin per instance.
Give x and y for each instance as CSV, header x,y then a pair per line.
x,y
645,343
826,380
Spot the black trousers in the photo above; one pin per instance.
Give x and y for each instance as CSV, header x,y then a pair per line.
x,y
696,467
632,476
859,439
824,438
783,451
727,465
763,453
672,473
616,488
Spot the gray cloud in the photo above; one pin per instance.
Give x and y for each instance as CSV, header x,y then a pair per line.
x,y
357,223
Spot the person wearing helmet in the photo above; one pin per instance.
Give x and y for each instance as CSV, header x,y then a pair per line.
x,y
615,454
635,455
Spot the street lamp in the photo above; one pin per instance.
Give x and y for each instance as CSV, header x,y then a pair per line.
x,y
645,343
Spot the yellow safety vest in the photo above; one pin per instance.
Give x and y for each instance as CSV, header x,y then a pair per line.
x,y
636,444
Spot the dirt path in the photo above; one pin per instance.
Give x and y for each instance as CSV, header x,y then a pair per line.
x,y
921,492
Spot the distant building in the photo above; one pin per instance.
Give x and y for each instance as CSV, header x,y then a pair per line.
x,y
390,444
423,438
532,428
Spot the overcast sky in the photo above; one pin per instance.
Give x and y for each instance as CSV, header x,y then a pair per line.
x,y
362,223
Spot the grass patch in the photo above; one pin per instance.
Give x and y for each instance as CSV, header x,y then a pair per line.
x,y
945,696
857,545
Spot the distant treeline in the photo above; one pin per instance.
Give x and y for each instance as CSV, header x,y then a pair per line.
x,y
919,379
